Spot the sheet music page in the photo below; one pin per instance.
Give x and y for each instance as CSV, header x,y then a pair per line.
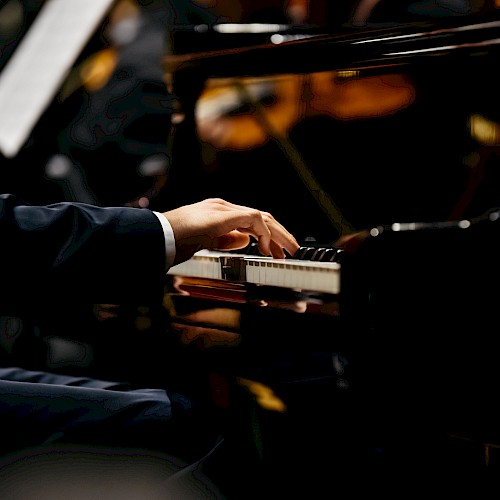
x,y
40,63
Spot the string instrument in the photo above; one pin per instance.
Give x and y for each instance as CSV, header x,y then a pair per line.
x,y
227,115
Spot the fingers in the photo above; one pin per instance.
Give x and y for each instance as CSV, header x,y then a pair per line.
x,y
272,236
277,251
217,224
281,238
234,240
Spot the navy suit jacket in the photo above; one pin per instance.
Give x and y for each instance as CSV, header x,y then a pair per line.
x,y
69,252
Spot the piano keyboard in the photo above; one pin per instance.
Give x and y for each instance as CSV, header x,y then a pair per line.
x,y
288,273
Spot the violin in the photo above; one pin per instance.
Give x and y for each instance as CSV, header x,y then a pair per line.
x,y
243,113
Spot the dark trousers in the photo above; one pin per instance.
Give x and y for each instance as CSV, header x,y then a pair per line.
x,y
80,437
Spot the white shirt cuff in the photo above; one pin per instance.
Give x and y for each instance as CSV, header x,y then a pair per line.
x,y
169,239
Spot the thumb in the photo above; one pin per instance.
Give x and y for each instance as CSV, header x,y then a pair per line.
x,y
187,247
233,240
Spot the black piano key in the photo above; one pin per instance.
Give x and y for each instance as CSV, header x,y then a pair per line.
x,y
338,255
316,255
329,255
298,253
304,253
251,249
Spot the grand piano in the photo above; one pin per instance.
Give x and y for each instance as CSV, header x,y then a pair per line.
x,y
372,351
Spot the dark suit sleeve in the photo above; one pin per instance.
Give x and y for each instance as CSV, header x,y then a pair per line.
x,y
74,251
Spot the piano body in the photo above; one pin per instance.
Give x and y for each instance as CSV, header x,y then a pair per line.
x,y
386,169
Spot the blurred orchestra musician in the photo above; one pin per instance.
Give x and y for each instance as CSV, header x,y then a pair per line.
x,y
120,129
104,137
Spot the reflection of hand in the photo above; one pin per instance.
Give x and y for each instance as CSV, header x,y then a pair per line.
x,y
212,333
216,224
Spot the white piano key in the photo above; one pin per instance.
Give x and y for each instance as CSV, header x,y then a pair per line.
x,y
288,273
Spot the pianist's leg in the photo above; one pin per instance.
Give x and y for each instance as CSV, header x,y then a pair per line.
x,y
68,436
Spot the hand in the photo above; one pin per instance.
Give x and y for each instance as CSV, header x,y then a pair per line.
x,y
216,224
